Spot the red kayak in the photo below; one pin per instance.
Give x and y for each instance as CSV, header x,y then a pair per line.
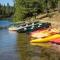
x,y
57,41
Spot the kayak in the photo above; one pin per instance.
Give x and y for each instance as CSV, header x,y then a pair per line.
x,y
44,33
45,39
40,34
12,28
37,31
57,41
54,31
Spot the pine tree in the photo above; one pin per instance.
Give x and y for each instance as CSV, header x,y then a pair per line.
x,y
0,9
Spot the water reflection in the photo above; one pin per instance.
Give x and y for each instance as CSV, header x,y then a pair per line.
x,y
22,46
46,45
13,46
8,45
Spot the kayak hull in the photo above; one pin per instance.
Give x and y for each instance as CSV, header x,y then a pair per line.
x,y
40,34
12,29
46,39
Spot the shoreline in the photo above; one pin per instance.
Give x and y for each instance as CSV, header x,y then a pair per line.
x,y
3,27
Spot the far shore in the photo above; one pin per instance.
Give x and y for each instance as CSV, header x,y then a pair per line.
x,y
3,27
5,17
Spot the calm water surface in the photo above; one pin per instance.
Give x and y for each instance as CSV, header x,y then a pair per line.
x,y
13,46
4,23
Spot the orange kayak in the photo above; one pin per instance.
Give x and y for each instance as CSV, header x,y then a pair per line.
x,y
44,33
39,34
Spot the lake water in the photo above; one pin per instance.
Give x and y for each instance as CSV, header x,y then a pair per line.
x,y
4,23
16,46
13,46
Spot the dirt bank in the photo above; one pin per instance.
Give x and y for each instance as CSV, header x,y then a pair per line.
x,y
54,20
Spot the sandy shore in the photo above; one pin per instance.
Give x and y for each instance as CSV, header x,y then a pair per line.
x,y
54,20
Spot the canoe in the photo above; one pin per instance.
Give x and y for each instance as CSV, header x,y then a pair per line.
x,y
45,39
57,41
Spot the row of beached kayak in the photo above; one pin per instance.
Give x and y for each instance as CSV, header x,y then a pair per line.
x,y
44,36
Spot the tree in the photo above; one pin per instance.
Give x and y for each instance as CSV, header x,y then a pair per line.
x,y
20,10
0,9
54,3
25,8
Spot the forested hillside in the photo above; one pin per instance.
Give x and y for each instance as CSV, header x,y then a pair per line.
x,y
6,11
29,8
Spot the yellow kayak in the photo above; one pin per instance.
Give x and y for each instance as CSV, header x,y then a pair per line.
x,y
46,39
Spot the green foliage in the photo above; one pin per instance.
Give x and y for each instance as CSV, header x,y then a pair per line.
x,y
54,3
26,8
6,11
